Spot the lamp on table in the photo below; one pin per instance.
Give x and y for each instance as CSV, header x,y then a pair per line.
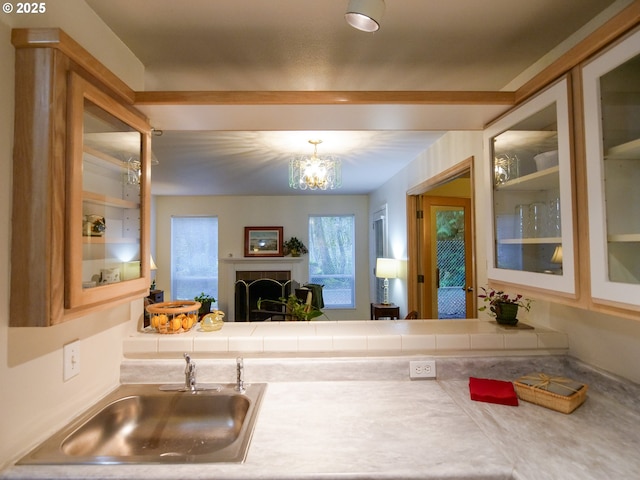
x,y
386,268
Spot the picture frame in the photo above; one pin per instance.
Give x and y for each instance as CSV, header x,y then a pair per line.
x,y
263,242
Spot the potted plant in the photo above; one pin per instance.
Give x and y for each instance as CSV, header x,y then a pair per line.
x,y
296,308
295,247
503,305
205,300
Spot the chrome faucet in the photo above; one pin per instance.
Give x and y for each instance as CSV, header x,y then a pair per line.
x,y
240,372
190,374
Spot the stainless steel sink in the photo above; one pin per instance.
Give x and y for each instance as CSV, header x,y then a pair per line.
x,y
144,424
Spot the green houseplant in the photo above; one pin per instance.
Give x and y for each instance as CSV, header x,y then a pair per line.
x,y
503,306
296,308
295,247
206,300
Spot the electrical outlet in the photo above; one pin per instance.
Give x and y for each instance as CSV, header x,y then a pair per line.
x,y
71,365
422,369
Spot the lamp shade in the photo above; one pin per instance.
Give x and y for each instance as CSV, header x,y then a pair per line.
x,y
152,264
365,15
386,268
557,255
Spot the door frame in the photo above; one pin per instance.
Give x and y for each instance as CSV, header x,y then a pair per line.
x,y
414,230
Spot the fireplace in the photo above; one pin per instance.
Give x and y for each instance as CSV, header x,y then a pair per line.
x,y
253,285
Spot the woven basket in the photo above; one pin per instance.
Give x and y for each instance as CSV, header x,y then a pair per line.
x,y
554,401
173,317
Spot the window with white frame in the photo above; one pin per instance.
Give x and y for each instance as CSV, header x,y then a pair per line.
x,y
194,257
332,258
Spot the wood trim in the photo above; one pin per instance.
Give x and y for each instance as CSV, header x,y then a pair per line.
x,y
413,257
323,98
599,39
442,177
37,281
57,39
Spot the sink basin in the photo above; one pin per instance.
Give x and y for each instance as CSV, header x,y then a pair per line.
x,y
147,424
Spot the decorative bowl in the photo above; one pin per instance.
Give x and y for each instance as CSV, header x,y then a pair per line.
x,y
173,317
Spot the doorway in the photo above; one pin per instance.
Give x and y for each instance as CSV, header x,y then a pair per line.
x,y
441,274
447,224
381,247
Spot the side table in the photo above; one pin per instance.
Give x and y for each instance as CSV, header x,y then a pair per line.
x,y
381,310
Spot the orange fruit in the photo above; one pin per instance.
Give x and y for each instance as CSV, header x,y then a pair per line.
x,y
176,324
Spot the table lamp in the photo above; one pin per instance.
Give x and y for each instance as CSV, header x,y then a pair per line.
x,y
386,268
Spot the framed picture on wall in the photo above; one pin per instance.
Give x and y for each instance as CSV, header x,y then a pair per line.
x,y
263,242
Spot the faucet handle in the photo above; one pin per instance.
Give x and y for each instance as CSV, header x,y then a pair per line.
x,y
239,372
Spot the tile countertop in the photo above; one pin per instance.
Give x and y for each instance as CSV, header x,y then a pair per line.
x,y
362,419
378,336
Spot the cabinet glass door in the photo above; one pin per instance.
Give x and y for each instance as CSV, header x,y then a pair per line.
x,y
612,130
105,202
531,201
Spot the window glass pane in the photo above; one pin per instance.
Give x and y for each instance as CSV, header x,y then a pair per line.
x,y
332,258
194,257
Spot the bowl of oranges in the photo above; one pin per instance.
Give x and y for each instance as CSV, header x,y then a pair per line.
x,y
173,317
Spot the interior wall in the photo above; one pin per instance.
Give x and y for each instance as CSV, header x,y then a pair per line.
x,y
291,212
604,341
451,149
35,399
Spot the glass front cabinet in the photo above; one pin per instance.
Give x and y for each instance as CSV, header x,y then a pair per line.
x,y
611,89
108,176
81,173
530,185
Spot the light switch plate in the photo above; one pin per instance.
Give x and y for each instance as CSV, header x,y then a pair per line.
x,y
71,365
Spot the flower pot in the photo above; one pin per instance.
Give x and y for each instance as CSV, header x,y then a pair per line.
x,y
204,308
506,313
295,253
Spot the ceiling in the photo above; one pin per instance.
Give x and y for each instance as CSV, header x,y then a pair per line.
x,y
306,45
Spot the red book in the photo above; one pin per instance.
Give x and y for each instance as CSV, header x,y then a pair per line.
x,y
492,391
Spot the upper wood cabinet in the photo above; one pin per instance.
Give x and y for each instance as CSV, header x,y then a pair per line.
x,y
611,90
80,226
530,180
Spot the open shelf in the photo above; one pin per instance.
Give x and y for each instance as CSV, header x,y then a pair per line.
x,y
624,238
626,151
530,241
542,180
99,199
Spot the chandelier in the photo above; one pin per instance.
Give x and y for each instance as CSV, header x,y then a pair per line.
x,y
315,172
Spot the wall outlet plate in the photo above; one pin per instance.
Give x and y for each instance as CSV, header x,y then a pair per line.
x,y
71,365
422,369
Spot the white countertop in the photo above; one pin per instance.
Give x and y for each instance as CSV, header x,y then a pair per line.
x,y
387,427
351,337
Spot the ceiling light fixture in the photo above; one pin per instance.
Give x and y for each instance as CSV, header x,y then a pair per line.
x,y
315,172
365,15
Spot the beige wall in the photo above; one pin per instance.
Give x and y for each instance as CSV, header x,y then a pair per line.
x,y
291,212
451,149
34,399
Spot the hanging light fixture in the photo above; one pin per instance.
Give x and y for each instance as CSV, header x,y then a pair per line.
x,y
365,15
315,172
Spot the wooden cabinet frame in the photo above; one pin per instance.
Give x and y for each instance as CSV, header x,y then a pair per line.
x,y
44,60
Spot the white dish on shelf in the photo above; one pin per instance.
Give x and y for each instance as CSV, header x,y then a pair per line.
x,y
546,160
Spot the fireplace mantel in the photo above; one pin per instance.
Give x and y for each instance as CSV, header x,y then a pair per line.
x,y
275,260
